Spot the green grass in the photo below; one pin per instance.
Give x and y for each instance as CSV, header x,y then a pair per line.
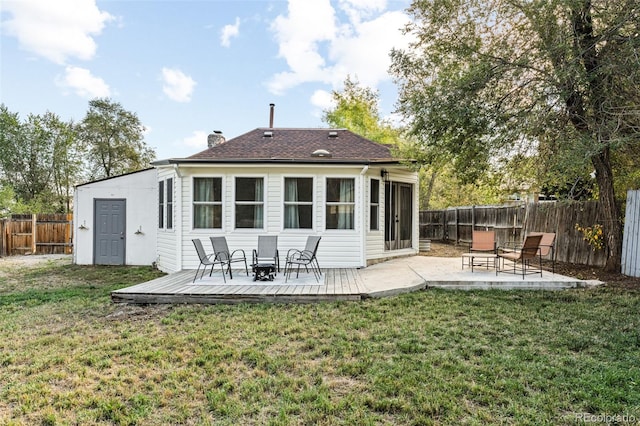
x,y
70,356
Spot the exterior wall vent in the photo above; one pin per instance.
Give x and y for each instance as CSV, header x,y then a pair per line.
x,y
321,153
268,134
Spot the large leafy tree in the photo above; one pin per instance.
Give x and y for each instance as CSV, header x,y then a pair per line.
x,y
39,160
554,80
357,109
114,140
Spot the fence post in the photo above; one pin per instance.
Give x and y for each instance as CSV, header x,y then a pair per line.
x,y
445,231
34,233
2,238
457,225
473,218
68,234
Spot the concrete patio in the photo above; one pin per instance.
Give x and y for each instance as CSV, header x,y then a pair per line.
x,y
380,280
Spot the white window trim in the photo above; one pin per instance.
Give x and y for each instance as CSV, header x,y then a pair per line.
x,y
160,206
313,204
265,190
356,213
192,202
377,203
165,204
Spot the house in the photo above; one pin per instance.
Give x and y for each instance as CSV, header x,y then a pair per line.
x,y
114,221
292,183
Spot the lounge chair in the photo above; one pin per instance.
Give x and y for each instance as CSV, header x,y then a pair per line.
x,y
267,251
306,258
223,254
522,257
205,260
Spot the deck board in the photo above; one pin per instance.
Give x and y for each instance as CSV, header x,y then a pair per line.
x,y
335,284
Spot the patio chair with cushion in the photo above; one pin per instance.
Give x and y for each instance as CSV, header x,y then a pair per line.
x,y
481,242
548,247
522,257
267,251
205,260
222,253
306,258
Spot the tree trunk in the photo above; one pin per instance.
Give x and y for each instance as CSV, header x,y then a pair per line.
x,y
585,43
610,211
432,180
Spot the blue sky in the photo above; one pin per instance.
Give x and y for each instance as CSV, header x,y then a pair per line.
x,y
188,67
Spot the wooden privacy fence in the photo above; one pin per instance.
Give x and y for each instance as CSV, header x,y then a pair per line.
x,y
513,222
36,234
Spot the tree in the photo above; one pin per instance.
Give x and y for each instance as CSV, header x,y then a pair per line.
x,y
39,160
357,109
554,80
114,140
68,161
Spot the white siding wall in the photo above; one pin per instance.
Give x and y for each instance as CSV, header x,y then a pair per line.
x,y
168,253
375,239
140,191
338,248
375,250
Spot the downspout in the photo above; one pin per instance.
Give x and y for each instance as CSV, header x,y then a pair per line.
x,y
363,215
178,214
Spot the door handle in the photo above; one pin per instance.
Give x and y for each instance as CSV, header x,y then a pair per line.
x,y
122,235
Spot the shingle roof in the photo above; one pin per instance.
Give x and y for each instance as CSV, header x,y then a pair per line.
x,y
297,144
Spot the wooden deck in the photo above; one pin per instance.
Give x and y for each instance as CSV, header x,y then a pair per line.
x,y
339,284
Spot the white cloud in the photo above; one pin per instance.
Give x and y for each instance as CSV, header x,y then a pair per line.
x,y
324,44
229,31
83,83
197,140
366,52
299,35
177,85
322,99
56,30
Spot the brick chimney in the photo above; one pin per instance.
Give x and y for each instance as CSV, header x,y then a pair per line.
x,y
215,139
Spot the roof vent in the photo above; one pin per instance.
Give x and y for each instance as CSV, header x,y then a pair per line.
x,y
333,134
321,153
268,134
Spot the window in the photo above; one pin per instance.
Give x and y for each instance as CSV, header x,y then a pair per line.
x,y
165,204
298,203
340,203
249,203
207,203
374,205
161,204
170,203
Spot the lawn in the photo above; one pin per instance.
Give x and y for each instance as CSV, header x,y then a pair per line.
x,y
70,356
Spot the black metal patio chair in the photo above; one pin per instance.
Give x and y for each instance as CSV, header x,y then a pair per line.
x,y
223,254
306,258
267,251
205,260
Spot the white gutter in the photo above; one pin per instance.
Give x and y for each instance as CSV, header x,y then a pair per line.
x,y
363,215
178,214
